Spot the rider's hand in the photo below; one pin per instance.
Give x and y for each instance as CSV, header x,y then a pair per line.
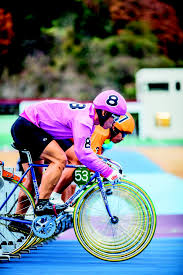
x,y
115,176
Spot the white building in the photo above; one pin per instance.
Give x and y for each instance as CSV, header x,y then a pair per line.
x,y
160,99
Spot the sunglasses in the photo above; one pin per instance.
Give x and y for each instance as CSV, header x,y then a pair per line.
x,y
117,131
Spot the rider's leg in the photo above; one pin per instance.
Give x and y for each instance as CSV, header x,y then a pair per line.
x,y
23,203
68,192
55,156
63,186
40,144
57,159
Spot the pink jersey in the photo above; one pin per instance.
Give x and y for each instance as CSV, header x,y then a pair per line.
x,y
62,120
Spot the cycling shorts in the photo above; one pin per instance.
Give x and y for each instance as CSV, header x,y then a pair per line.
x,y
28,136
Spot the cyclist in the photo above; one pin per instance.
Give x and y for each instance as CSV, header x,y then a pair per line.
x,y
40,125
116,134
124,126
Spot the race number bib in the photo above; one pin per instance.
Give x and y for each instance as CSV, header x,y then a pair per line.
x,y
82,176
87,143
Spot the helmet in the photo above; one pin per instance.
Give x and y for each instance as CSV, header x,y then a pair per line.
x,y
125,123
110,101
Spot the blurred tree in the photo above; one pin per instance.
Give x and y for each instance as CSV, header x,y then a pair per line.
x,y
6,31
177,5
6,34
28,19
161,17
93,19
87,45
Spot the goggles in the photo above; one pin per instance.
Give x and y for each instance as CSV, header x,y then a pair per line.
x,y
117,131
104,117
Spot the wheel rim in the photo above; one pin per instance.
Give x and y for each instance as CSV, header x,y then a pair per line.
x,y
120,241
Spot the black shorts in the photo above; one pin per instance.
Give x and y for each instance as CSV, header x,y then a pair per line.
x,y
28,136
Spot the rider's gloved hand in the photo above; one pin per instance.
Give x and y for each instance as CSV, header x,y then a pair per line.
x,y
115,176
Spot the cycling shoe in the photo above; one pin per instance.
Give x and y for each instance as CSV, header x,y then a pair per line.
x,y
47,208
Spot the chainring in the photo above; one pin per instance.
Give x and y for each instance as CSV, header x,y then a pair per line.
x,y
44,226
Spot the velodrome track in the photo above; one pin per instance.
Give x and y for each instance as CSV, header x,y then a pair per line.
x,y
164,255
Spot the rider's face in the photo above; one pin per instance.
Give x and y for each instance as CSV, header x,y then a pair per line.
x,y
108,123
117,138
118,135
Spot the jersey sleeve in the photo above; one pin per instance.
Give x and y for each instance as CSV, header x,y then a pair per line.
x,y
84,152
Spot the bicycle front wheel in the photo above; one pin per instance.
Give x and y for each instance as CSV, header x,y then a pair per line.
x,y
15,236
129,235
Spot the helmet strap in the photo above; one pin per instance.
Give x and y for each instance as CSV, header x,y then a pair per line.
x,y
113,134
102,118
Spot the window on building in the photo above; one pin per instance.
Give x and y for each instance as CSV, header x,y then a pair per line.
x,y
163,86
178,86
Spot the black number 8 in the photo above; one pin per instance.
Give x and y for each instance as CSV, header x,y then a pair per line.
x,y
112,100
87,143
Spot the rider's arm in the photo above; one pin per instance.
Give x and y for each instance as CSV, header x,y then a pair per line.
x,y
82,147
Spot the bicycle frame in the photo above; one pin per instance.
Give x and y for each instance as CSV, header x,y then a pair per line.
x,y
70,201
113,238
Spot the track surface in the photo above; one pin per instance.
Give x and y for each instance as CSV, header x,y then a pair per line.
x,y
164,255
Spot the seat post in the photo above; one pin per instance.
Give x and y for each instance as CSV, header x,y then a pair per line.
x,y
15,146
1,174
28,155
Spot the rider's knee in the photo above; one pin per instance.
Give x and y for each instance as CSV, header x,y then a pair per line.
x,y
74,160
61,162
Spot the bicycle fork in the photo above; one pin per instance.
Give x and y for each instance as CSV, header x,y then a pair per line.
x,y
113,219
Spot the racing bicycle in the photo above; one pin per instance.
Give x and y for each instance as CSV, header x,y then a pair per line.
x,y
113,222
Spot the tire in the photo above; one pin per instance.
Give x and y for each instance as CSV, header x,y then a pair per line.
x,y
115,241
33,241
13,241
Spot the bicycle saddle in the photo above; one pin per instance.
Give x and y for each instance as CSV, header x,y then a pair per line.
x,y
18,147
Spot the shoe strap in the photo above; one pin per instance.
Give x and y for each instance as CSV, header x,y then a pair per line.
x,y
54,210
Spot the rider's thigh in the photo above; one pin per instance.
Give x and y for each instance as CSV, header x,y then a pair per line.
x,y
53,153
71,156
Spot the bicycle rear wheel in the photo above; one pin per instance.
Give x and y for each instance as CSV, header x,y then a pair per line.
x,y
130,235
13,240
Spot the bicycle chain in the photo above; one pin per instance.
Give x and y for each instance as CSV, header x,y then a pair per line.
x,y
12,227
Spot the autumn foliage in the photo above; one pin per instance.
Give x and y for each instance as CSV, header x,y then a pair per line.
x,y
160,16
6,31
